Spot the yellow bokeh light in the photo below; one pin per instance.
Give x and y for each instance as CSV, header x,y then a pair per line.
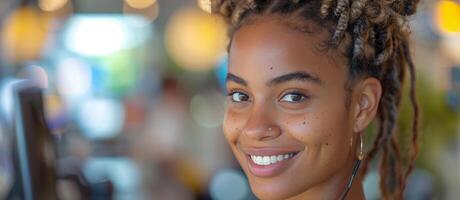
x,y
448,16
24,34
140,4
194,39
51,5
150,13
54,106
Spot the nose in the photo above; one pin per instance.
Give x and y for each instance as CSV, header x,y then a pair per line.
x,y
260,125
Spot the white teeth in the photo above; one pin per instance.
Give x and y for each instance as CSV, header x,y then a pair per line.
x,y
273,159
280,157
268,160
258,159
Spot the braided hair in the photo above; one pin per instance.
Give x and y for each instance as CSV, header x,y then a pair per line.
x,y
378,47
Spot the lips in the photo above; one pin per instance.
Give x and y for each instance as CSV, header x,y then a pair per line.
x,y
266,162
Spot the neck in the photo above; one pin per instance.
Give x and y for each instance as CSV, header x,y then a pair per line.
x,y
336,185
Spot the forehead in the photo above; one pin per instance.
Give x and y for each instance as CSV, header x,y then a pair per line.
x,y
268,47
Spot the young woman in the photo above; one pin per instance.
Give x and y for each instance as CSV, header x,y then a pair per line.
x,y
306,77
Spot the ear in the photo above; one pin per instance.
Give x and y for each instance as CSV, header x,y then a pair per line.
x,y
368,94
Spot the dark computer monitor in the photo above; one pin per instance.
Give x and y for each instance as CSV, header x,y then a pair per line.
x,y
33,147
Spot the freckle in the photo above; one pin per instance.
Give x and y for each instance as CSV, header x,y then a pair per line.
x,y
271,68
327,144
304,122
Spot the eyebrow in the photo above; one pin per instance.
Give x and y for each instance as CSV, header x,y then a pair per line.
x,y
299,76
236,79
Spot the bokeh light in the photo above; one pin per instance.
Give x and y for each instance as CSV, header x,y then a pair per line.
x,y
121,72
121,172
140,4
451,46
370,185
221,72
102,35
73,77
24,34
101,118
96,36
229,184
150,13
207,109
194,39
448,16
52,5
56,113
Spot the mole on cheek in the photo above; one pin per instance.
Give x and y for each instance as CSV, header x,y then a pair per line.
x,y
271,68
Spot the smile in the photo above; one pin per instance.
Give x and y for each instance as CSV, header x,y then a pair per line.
x,y
269,160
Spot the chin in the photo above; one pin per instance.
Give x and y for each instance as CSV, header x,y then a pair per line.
x,y
267,194
272,189
270,194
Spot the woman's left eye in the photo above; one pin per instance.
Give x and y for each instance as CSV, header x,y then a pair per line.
x,y
293,97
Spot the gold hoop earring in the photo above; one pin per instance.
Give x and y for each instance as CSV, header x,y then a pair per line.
x,y
361,146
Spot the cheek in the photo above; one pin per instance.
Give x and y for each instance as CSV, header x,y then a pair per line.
x,y
300,127
318,129
232,126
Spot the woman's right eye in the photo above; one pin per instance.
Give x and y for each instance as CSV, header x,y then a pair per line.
x,y
238,96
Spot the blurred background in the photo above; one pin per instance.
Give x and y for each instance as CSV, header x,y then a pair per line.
x,y
131,93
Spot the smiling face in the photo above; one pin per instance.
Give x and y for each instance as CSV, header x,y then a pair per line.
x,y
287,120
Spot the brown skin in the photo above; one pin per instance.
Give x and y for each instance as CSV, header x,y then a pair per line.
x,y
308,116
